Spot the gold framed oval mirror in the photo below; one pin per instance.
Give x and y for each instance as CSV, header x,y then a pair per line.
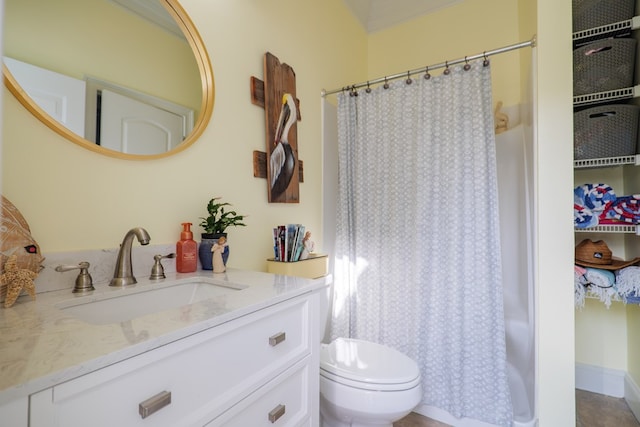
x,y
162,66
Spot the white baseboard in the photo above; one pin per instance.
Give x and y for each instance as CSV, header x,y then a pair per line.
x,y
596,379
632,395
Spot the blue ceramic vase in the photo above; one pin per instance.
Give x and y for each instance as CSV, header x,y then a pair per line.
x,y
204,250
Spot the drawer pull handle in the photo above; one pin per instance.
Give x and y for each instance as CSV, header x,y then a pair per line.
x,y
154,404
276,339
276,413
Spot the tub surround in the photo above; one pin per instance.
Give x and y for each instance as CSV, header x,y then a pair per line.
x,y
43,346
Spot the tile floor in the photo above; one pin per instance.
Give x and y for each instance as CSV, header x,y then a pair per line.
x,y
597,410
417,420
593,410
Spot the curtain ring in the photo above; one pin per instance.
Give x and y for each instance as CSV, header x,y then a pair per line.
x,y
354,91
427,76
408,81
486,60
466,67
386,84
446,68
368,89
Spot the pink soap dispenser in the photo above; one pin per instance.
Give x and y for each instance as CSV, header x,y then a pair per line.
x,y
186,251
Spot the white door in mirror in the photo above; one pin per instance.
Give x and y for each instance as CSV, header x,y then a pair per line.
x,y
60,96
133,127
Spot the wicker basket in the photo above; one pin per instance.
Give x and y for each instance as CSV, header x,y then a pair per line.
x,y
594,13
603,65
605,131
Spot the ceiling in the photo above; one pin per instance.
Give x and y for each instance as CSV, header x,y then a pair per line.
x,y
375,15
153,11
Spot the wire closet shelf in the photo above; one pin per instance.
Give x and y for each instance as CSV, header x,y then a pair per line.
x,y
426,69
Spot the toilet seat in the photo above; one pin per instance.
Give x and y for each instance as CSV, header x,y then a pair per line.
x,y
367,365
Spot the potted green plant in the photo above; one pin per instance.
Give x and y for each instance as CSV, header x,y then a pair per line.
x,y
215,226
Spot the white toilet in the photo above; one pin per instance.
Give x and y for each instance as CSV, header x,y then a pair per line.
x,y
366,384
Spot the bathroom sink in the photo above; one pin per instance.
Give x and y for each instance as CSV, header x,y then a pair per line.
x,y
119,305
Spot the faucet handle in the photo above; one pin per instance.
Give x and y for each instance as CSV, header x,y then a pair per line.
x,y
84,282
157,271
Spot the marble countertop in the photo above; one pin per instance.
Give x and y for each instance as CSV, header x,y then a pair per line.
x,y
42,345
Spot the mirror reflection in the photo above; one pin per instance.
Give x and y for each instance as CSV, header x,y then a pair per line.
x,y
128,78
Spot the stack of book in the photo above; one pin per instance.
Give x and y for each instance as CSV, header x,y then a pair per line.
x,y
287,242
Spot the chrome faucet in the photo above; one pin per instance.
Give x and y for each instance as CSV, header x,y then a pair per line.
x,y
123,274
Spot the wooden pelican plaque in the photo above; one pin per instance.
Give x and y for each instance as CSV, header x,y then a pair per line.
x,y
280,164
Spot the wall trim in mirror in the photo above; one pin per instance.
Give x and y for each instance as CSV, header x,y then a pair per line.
x,y
202,116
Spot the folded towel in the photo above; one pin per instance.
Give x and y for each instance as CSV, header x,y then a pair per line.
x,y
624,285
625,209
633,298
595,282
589,202
595,197
601,278
584,217
579,288
628,282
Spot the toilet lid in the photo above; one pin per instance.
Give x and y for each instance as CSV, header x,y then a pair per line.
x,y
367,362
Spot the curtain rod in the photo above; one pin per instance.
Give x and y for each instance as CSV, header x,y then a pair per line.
x,y
445,64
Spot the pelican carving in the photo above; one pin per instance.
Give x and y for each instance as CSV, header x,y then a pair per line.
x,y
283,160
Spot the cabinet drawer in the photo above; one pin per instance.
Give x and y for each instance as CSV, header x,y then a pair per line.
x,y
284,402
205,374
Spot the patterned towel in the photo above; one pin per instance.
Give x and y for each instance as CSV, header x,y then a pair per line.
x,y
625,209
628,284
583,217
590,201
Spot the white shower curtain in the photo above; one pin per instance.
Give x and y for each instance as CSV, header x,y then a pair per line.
x,y
418,263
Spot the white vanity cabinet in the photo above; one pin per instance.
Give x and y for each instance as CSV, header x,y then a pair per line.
x,y
258,369
15,412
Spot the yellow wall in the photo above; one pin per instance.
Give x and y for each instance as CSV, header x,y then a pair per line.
x,y
74,199
633,320
170,191
601,335
527,22
465,29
